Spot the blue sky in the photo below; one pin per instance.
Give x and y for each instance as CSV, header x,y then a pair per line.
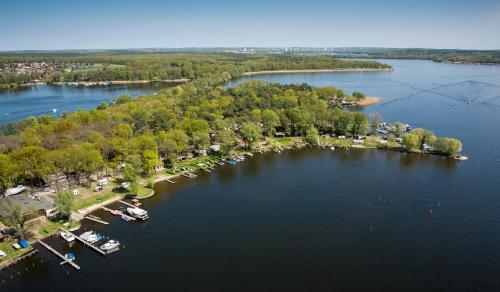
x,y
91,24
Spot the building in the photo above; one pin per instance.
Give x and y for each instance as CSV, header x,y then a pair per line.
x,y
32,207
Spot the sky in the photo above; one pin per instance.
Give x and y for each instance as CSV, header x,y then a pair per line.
x,y
119,24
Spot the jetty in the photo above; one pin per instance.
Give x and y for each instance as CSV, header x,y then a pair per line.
x,y
128,204
170,181
119,213
207,170
96,220
77,267
93,247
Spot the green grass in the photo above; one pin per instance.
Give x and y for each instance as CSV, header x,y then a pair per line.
x,y
283,141
95,199
6,246
143,192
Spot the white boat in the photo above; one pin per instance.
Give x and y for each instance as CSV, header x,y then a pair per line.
x,y
93,238
2,253
138,213
16,246
126,218
85,235
67,236
15,190
110,245
54,110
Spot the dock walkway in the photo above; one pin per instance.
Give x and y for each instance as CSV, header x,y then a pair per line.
x,y
77,267
95,248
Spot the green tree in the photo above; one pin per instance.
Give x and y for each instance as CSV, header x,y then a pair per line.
x,y
270,120
64,202
8,172
312,136
411,141
251,133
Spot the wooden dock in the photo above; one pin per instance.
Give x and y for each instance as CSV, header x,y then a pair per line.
x,y
207,170
95,248
120,213
128,204
77,267
96,220
170,181
188,175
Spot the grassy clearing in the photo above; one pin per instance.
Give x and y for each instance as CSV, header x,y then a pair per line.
x,y
6,247
97,198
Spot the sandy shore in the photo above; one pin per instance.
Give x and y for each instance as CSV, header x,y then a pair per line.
x,y
369,100
315,71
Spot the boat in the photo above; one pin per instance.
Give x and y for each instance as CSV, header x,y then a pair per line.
x,y
85,235
94,237
138,213
15,190
70,256
136,202
16,246
126,218
67,236
24,243
115,212
110,245
232,162
220,163
54,110
332,148
2,253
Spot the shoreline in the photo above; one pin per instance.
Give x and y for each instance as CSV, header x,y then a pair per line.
x,y
270,72
369,100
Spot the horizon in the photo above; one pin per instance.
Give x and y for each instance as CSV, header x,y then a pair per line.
x,y
115,25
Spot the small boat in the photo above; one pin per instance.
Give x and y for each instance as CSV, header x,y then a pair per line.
x,y
85,235
126,218
2,253
16,246
15,190
115,212
70,256
232,162
110,245
54,110
67,236
136,202
93,238
332,148
24,243
429,211
220,163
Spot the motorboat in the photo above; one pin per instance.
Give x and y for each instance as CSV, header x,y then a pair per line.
x,y
16,246
138,213
67,236
2,253
93,238
70,256
126,218
85,235
110,245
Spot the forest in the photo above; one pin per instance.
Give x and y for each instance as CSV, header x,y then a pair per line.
x,y
213,67
156,130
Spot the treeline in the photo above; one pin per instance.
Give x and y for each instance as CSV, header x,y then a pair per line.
x,y
156,130
218,67
438,55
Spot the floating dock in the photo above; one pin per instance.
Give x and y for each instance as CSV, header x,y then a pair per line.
x,y
170,181
207,170
65,261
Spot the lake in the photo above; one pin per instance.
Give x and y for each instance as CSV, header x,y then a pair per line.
x,y
39,100
321,220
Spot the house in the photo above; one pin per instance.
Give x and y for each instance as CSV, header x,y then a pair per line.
x,y
215,147
32,207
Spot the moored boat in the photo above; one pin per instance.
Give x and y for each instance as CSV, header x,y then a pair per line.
x,y
68,237
138,213
110,245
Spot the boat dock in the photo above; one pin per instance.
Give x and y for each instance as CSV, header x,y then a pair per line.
x,y
96,220
128,204
77,267
95,248
207,170
119,213
170,181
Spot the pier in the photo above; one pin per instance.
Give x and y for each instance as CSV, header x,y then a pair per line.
x,y
170,181
96,220
95,248
128,204
207,170
188,175
77,267
119,213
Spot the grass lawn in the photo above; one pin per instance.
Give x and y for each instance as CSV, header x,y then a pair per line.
x,y
44,228
6,247
96,198
143,191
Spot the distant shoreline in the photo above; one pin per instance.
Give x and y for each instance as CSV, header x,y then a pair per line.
x,y
369,100
268,72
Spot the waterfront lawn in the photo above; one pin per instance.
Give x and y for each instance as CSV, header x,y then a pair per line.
x,y
93,199
143,192
43,228
6,246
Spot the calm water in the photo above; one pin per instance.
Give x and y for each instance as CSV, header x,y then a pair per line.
x,y
16,105
317,220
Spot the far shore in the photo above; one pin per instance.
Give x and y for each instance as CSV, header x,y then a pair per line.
x,y
267,72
